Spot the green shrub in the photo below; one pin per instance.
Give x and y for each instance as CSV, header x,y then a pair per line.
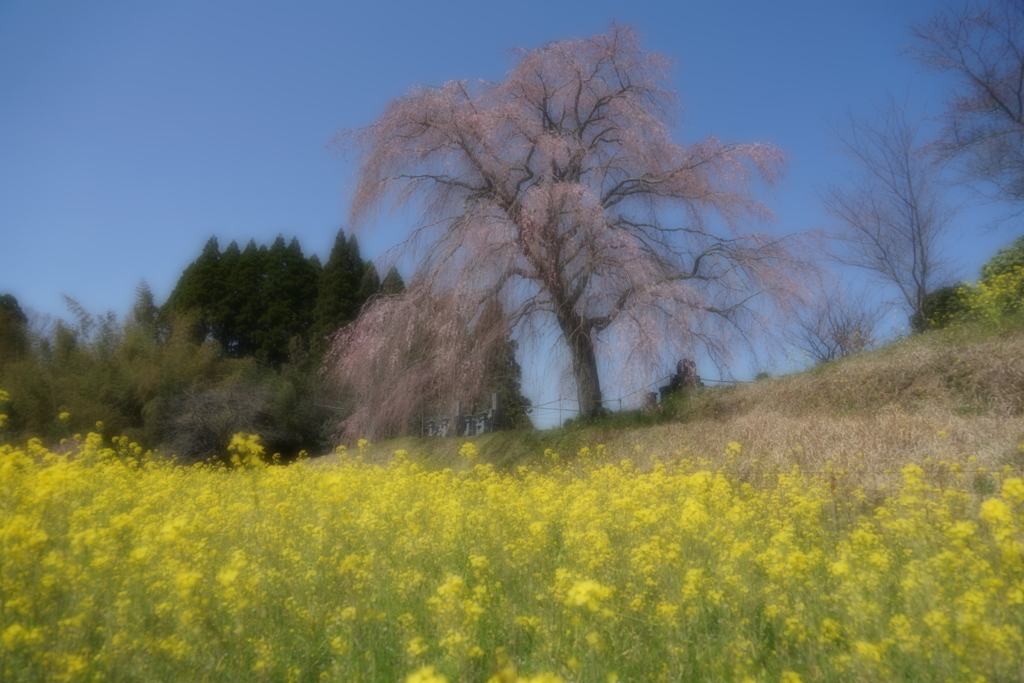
x,y
997,297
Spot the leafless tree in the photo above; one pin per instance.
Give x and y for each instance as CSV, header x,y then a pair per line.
x,y
199,422
836,323
982,46
890,215
544,192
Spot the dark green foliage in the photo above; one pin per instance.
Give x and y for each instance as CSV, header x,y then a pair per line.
x,y
371,281
288,297
340,294
1005,260
949,306
944,306
9,305
147,377
243,301
507,380
200,293
13,331
392,283
234,349
504,374
252,302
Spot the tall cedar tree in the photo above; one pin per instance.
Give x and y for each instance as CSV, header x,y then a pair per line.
x,y
14,343
252,302
200,292
246,301
371,281
290,292
504,374
392,283
340,294
231,301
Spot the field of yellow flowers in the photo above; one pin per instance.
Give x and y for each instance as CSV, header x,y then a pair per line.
x,y
116,568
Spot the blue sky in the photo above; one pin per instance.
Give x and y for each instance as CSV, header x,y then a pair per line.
x,y
132,132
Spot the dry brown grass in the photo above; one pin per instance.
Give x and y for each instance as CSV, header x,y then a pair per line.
x,y
963,371
948,401
865,450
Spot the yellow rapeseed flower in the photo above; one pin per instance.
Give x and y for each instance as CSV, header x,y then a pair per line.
x,y
425,675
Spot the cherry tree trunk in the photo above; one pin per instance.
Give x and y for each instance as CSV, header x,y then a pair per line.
x,y
584,363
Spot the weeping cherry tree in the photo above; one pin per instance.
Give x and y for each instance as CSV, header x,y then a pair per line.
x,y
559,196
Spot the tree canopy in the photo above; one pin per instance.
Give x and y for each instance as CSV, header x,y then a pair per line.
x,y
252,301
339,296
561,194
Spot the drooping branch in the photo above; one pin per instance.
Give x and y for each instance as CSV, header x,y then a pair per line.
x,y
543,193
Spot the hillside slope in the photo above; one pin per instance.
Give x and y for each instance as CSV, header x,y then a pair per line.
x,y
952,400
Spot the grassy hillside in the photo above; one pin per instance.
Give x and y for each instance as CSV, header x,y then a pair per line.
x,y
950,399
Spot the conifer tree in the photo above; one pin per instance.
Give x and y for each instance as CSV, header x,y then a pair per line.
x,y
14,342
371,281
200,290
247,284
231,300
289,295
392,283
339,295
503,373
144,310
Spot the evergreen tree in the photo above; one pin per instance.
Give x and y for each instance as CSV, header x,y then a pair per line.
x,y
252,301
339,295
289,295
507,380
392,283
14,342
370,286
144,311
142,328
9,304
504,374
200,292
247,285
229,300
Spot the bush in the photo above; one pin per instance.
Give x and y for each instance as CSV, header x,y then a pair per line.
x,y
199,423
945,307
997,297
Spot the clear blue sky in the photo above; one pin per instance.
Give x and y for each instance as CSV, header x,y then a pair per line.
x,y
132,132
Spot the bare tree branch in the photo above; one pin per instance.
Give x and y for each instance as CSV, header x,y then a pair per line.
x,y
982,46
836,323
891,215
